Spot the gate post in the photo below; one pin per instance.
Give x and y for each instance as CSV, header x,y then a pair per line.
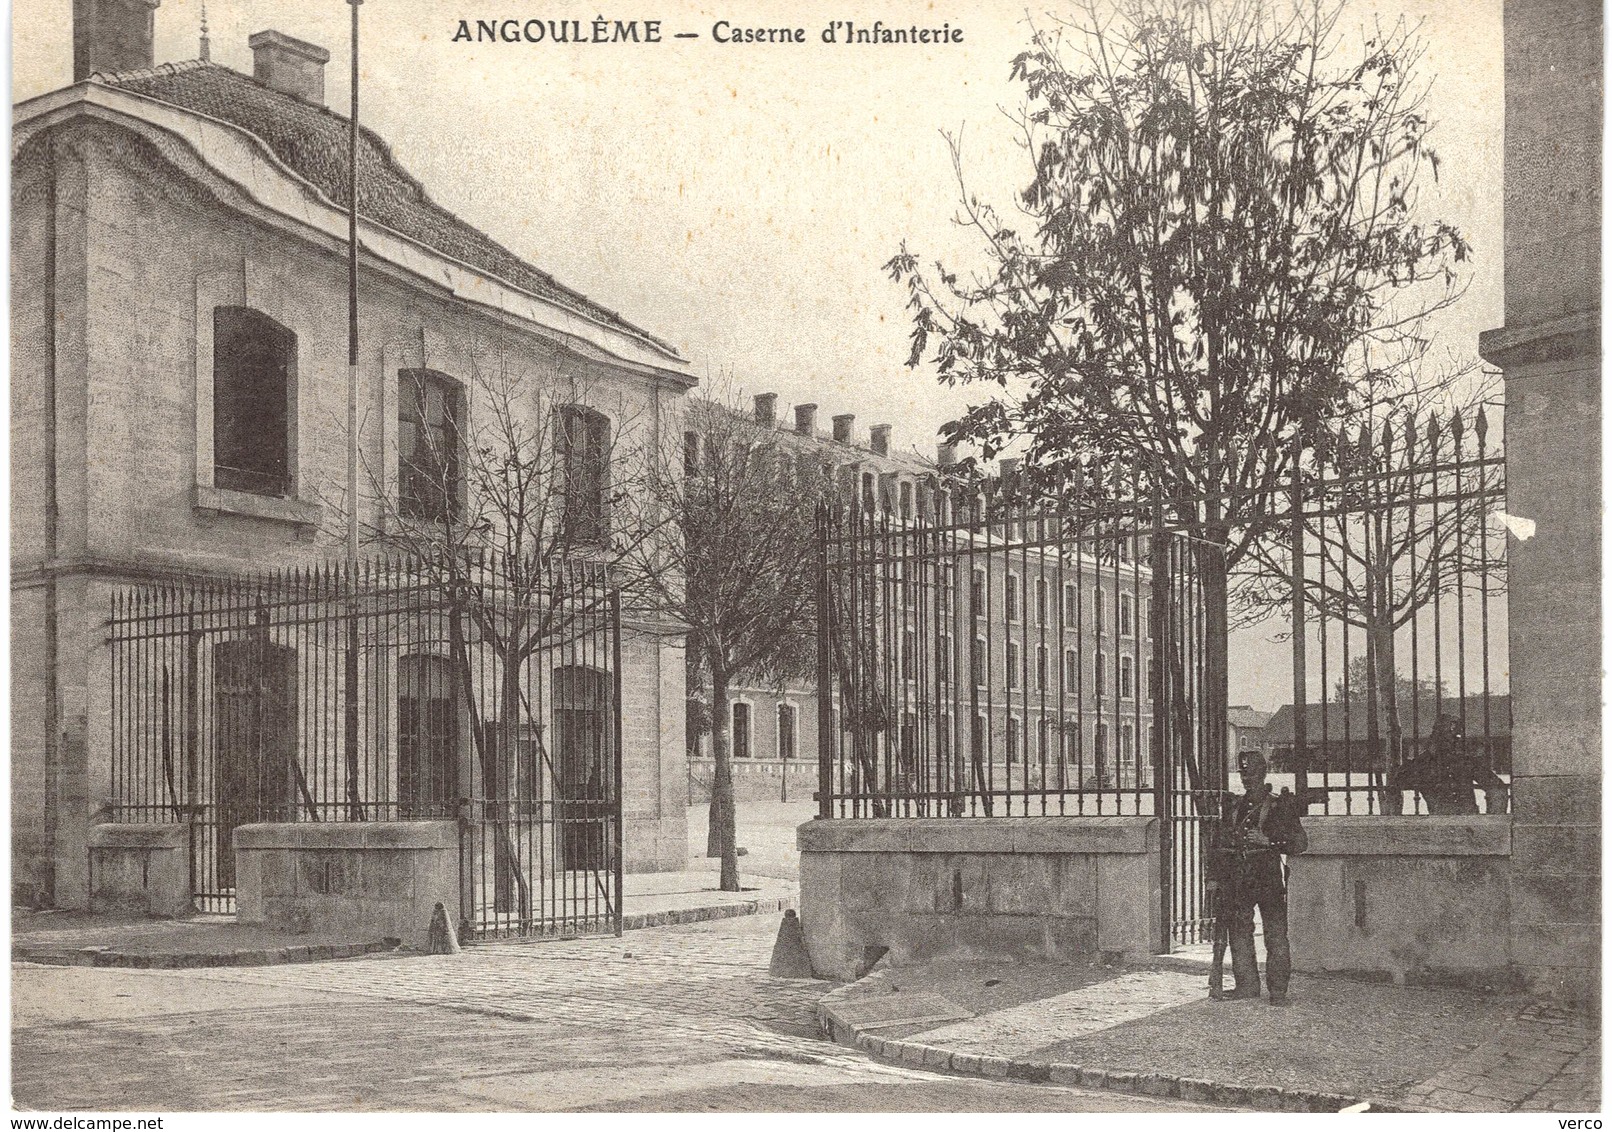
x,y
1301,708
825,677
1163,771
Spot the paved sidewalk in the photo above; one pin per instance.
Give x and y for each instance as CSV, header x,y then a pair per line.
x,y
82,939
1155,1032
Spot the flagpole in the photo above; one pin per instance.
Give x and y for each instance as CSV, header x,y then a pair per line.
x,y
355,805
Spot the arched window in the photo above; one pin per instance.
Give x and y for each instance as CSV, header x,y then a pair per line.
x,y
582,439
583,755
254,361
429,412
427,738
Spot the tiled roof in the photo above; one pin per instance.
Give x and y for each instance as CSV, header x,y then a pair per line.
x,y
312,141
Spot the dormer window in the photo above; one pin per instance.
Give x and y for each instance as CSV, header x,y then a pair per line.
x,y
254,362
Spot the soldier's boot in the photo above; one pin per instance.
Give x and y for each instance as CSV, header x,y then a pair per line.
x,y
1278,957
1244,967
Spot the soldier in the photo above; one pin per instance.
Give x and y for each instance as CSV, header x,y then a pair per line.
x,y
1259,826
1448,775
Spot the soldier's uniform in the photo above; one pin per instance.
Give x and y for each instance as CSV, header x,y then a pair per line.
x,y
1258,827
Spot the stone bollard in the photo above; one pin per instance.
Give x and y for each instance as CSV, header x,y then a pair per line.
x,y
444,940
789,958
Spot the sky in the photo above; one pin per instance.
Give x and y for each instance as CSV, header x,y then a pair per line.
x,y
740,200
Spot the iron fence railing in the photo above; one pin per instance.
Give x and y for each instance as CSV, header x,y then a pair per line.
x,y
476,689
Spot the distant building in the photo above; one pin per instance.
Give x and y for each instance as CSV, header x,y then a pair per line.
x,y
1245,729
1338,737
1051,651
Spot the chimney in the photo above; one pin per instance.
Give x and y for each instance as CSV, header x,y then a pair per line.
x,y
289,66
766,408
881,439
842,427
806,419
112,35
945,454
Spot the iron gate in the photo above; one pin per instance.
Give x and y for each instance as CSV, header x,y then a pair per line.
x,y
993,660
474,689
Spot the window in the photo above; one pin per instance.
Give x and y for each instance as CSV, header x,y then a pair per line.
x,y
1097,609
691,454
427,445
1012,740
1041,601
1127,679
1147,617
909,654
1071,605
583,437
1012,664
786,731
427,738
943,659
976,737
1043,740
1149,663
976,592
1124,550
1127,615
976,663
1012,597
906,501
1127,742
1071,672
254,360
1100,755
1071,742
741,731
1041,668
1100,675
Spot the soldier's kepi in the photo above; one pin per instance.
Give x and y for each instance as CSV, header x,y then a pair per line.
x,y
1258,827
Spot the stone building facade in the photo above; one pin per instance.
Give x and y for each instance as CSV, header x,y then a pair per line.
x,y
1053,653
1549,351
174,228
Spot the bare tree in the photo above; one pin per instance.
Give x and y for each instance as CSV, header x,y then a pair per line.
x,y
1400,524
739,572
1222,216
507,497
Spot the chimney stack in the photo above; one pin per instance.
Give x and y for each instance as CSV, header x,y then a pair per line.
x,y
766,408
881,439
806,419
945,454
290,66
842,427
112,35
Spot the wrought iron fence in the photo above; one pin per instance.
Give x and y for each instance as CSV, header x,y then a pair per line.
x,y
1394,570
983,656
476,689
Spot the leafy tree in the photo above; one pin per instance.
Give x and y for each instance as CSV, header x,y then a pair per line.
x,y
1221,217
738,571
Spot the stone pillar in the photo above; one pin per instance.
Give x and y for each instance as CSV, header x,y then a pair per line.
x,y
1549,353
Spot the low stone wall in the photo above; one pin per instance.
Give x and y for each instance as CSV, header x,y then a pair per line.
x,y
1411,899
140,868
1051,888
376,879
756,780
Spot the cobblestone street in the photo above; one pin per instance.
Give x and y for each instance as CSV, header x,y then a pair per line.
x,y
677,1018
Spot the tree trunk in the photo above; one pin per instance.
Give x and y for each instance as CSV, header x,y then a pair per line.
x,y
1212,579
1391,800
721,836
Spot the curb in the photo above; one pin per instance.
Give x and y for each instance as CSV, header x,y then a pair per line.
x,y
635,920
267,957
1269,1098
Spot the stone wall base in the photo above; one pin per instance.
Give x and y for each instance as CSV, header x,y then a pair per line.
x,y
915,889
140,868
375,879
